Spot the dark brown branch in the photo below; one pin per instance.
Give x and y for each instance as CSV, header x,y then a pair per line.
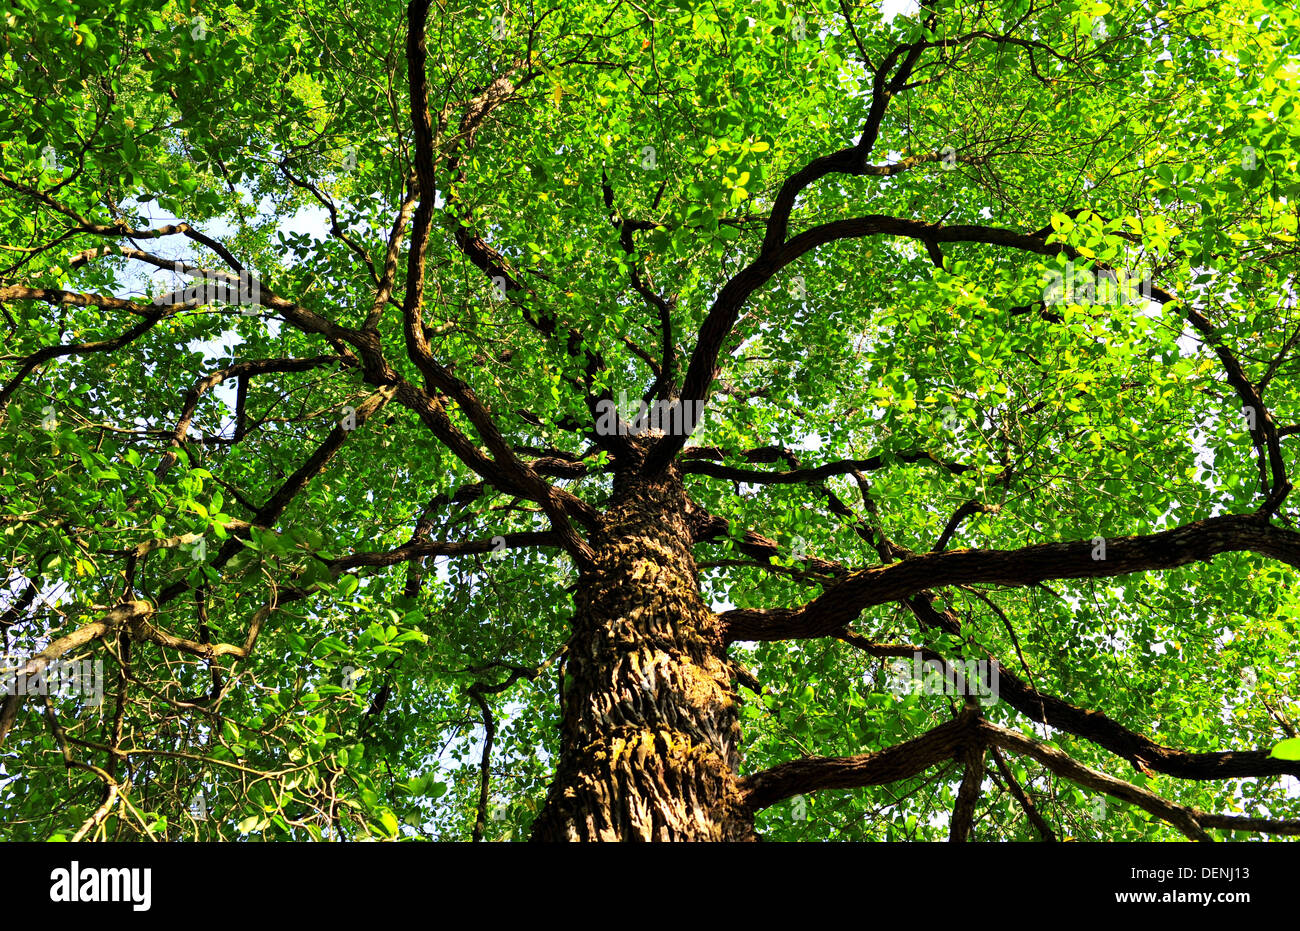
x,y
1169,549
423,549
417,345
1185,819
270,512
963,512
485,762
153,316
696,462
901,761
243,371
1026,805
1142,752
968,795
726,307
663,306
477,692
115,617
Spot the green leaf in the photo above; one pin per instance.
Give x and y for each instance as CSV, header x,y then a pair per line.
x,y
1287,750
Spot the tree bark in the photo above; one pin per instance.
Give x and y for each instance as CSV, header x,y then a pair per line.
x,y
651,721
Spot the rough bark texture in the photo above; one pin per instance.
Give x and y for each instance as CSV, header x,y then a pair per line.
x,y
651,722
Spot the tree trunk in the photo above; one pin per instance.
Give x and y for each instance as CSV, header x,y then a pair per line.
x,y
651,721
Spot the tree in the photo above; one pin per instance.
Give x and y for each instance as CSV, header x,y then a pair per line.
x,y
610,421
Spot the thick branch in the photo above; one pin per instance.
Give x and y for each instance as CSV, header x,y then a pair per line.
x,y
901,761
1081,559
1141,751
697,463
968,796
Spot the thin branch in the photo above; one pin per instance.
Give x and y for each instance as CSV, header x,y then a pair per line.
x,y
1026,805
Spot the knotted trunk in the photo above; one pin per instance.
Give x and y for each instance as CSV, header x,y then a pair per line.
x,y
651,722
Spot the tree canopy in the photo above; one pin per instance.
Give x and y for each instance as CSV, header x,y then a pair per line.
x,y
341,339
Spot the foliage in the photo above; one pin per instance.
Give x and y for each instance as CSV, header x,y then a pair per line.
x,y
1161,141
